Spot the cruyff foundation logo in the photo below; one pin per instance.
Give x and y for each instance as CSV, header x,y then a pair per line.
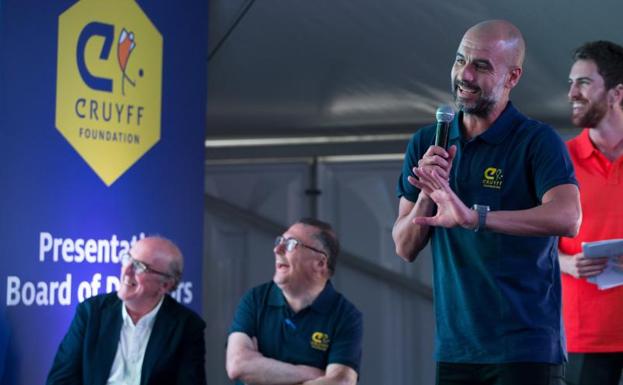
x,y
493,178
320,341
109,108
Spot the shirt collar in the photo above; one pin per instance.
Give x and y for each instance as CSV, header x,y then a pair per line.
x,y
496,133
275,297
585,147
146,321
322,304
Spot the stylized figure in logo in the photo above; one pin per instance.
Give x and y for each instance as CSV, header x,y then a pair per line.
x,y
124,49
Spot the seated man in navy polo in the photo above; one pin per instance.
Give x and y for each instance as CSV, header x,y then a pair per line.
x,y
297,329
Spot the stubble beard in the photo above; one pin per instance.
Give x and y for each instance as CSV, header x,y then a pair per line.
x,y
481,108
593,115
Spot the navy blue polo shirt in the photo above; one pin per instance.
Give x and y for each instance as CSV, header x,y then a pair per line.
x,y
329,331
497,296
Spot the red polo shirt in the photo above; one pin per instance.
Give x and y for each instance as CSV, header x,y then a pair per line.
x,y
594,318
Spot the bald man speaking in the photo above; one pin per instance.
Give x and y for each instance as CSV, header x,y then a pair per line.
x,y
492,206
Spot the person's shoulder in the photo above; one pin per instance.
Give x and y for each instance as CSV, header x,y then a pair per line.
x,y
346,316
346,306
425,133
524,123
171,305
264,287
419,142
352,308
98,304
533,125
172,312
261,291
535,131
576,142
101,300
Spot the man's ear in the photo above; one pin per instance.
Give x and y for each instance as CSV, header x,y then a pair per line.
x,y
167,285
321,263
615,95
513,77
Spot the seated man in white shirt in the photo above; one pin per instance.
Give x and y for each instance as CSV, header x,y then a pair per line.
x,y
138,335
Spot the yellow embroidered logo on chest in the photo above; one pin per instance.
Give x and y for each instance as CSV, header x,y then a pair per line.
x,y
320,341
493,178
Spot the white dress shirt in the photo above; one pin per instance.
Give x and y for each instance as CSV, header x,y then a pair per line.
x,y
126,368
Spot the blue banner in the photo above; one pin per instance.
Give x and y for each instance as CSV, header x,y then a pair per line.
x,y
102,123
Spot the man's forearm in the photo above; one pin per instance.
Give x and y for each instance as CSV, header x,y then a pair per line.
x,y
538,221
258,370
330,381
559,216
336,374
410,238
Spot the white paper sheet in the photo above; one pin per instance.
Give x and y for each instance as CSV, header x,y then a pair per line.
x,y
612,276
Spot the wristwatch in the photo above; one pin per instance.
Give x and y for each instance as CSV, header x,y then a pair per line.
x,y
482,211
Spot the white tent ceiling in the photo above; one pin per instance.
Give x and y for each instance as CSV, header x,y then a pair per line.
x,y
296,68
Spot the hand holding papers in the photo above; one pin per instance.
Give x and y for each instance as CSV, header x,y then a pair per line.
x,y
612,276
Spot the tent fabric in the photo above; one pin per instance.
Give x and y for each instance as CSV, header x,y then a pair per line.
x,y
332,67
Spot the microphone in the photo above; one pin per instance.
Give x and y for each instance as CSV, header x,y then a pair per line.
x,y
444,115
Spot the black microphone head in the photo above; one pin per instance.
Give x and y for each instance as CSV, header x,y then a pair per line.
x,y
445,113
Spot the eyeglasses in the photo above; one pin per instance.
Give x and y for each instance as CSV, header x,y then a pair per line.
x,y
140,267
291,244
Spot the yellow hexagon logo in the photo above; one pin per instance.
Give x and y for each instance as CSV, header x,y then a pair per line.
x,y
108,84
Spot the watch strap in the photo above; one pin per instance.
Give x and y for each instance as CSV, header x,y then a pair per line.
x,y
482,211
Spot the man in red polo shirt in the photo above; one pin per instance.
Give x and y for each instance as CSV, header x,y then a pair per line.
x,y
593,317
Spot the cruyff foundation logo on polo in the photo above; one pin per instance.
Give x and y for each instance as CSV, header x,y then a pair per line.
x,y
493,178
108,99
320,341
